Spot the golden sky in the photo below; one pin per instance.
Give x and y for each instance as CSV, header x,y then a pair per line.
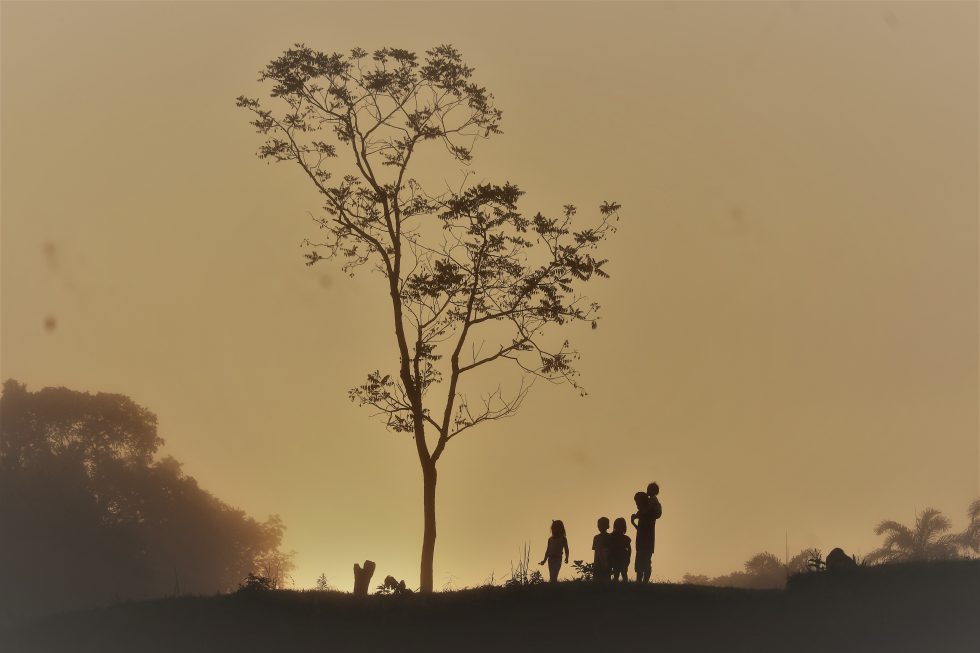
x,y
790,337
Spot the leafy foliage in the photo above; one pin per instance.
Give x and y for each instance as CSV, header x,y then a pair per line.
x,y
456,261
969,539
255,583
584,570
90,515
393,587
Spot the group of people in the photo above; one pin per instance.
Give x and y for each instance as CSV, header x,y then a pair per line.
x,y
613,550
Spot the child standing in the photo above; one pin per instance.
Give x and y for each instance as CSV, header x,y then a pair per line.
x,y
556,544
643,520
600,544
619,550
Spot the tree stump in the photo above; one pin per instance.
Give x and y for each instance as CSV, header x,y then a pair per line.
x,y
362,577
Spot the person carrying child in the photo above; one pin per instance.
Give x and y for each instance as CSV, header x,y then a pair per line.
x,y
556,544
648,511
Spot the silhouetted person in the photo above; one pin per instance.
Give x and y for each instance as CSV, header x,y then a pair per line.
x,y
619,550
643,523
653,491
556,544
600,544
648,511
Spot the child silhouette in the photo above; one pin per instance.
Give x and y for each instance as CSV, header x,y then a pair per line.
x,y
556,544
600,544
619,550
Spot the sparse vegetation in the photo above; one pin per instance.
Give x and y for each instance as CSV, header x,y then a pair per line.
x,y
523,575
322,584
393,587
255,583
276,567
584,570
805,561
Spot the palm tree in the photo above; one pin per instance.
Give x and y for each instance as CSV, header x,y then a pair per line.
x,y
969,539
927,540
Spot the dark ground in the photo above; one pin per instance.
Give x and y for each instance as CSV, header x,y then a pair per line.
x,y
929,608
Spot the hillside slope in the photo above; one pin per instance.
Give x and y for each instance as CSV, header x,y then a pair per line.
x,y
914,608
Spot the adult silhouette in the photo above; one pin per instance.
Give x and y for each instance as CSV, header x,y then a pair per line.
x,y
648,511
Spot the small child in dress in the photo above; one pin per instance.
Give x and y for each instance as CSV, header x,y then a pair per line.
x,y
619,550
556,544
600,544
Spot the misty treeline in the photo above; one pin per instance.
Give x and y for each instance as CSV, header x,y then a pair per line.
x,y
90,515
762,571
930,538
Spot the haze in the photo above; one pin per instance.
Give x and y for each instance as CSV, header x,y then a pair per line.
x,y
789,338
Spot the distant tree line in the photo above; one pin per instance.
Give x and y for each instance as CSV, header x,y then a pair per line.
x,y
928,539
89,515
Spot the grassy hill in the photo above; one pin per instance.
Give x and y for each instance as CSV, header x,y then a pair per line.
x,y
928,607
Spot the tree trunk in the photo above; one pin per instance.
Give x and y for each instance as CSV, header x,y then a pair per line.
x,y
429,532
362,577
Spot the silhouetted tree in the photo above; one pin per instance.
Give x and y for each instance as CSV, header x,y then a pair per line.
x,y
969,539
87,515
927,540
471,280
765,570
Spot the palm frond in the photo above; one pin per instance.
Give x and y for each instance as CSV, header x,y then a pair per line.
x,y
897,536
973,512
932,522
881,555
945,547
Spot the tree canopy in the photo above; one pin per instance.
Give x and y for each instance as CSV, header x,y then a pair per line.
x,y
90,515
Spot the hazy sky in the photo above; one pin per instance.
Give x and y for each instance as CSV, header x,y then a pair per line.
x,y
790,334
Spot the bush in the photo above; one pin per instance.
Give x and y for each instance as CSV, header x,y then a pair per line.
x,y
254,583
585,570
